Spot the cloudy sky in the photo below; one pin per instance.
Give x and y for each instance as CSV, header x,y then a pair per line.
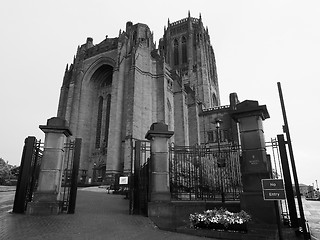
x,y
257,44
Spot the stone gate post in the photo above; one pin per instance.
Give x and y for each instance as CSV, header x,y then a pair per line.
x,y
47,196
254,162
159,183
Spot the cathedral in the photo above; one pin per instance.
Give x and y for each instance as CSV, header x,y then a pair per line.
x,y
114,90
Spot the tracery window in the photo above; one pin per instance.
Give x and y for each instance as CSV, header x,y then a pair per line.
x,y
184,50
175,52
106,135
99,122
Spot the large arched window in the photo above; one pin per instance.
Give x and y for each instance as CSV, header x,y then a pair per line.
x,y
99,122
106,133
175,52
103,76
184,50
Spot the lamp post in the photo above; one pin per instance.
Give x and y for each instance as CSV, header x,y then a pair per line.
x,y
9,172
94,173
218,121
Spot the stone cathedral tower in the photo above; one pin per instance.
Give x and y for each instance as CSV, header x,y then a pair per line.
x,y
114,90
187,49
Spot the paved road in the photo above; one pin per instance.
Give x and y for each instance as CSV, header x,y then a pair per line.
x,y
6,201
101,216
98,216
312,215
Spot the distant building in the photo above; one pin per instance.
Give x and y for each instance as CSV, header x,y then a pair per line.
x,y
305,190
114,90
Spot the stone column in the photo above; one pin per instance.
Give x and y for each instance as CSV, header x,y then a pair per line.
x,y
159,182
254,162
47,196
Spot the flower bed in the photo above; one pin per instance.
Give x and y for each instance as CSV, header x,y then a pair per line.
x,y
220,219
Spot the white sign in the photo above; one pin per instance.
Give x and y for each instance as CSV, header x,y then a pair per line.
x,y
123,180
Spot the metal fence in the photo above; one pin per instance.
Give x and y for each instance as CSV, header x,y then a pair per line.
x,y
140,172
289,217
205,173
69,181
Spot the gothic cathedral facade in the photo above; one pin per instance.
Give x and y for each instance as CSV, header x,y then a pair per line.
x,y
113,91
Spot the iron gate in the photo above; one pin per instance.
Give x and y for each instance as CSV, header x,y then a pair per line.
x,y
28,173
30,169
205,173
280,170
69,181
139,181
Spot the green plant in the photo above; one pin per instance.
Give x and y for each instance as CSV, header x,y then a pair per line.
x,y
210,218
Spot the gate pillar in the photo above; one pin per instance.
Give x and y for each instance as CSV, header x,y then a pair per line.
x,y
46,199
254,162
159,182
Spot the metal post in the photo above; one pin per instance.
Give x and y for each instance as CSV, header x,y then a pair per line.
x,y
7,164
287,181
136,168
19,205
293,165
74,179
218,121
131,182
276,206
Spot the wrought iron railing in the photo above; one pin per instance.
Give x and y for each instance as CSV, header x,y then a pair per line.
x,y
196,173
28,173
72,149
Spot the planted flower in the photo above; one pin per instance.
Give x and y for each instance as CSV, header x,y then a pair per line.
x,y
220,219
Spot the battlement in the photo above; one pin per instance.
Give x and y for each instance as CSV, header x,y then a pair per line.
x,y
104,46
184,20
217,108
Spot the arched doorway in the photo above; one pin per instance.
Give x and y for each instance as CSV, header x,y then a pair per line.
x,y
94,128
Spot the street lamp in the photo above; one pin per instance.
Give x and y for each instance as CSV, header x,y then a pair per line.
x,y
94,174
220,161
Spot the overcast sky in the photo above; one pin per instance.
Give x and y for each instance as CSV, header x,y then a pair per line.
x,y
256,43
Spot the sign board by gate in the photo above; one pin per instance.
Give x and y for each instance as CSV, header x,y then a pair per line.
x,y
273,189
123,180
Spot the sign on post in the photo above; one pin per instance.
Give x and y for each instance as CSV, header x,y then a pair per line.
x,y
123,180
273,189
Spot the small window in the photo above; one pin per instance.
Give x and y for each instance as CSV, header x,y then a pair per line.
x,y
212,136
223,136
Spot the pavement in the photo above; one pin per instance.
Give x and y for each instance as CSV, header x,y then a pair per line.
x,y
100,215
7,188
311,211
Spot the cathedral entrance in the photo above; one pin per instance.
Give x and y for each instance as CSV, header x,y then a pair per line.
x,y
99,173
96,111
